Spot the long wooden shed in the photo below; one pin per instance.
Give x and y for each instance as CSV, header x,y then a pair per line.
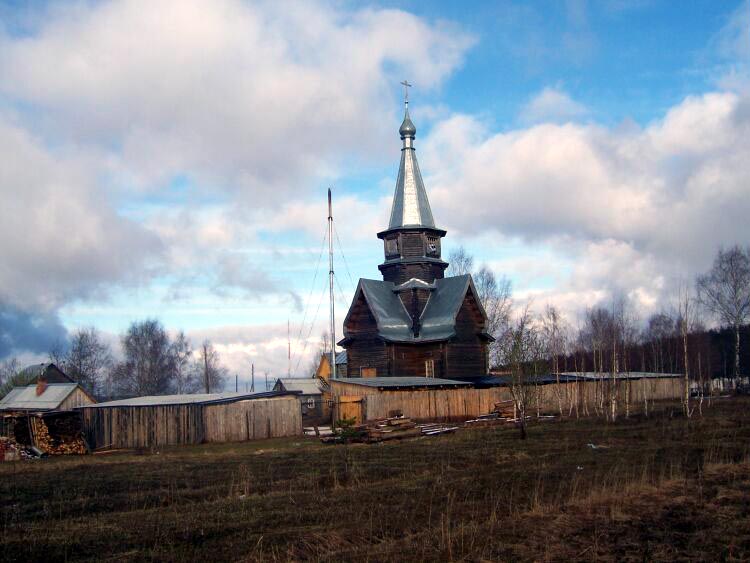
x,y
145,422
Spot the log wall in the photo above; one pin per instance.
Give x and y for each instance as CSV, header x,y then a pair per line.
x,y
150,426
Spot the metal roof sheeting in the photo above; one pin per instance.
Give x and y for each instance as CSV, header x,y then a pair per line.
x,y
438,320
410,204
402,382
341,358
306,386
197,399
623,375
25,398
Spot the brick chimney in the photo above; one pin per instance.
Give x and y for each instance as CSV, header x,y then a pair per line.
x,y
41,386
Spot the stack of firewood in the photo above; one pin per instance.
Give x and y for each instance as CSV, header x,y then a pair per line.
x,y
67,439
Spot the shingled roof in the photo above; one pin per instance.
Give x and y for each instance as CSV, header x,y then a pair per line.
x,y
437,321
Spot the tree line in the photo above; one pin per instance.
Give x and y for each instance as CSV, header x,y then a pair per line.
x,y
615,338
150,363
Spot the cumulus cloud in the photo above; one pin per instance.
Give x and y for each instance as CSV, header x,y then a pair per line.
x,y
257,99
265,346
252,105
61,237
552,105
637,209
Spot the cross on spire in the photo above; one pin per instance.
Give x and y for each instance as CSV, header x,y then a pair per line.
x,y
406,86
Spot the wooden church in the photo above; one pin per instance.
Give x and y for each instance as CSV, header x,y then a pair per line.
x,y
415,322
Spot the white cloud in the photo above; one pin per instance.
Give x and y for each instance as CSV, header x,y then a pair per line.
x,y
636,210
254,99
61,236
255,105
552,105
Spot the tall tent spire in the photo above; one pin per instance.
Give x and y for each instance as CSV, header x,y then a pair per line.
x,y
411,208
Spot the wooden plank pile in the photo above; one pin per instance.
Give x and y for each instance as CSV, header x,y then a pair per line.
x,y
395,428
503,413
392,428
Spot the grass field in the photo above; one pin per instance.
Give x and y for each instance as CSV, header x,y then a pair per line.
x,y
661,488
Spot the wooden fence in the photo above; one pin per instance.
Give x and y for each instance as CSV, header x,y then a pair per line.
x,y
161,425
460,404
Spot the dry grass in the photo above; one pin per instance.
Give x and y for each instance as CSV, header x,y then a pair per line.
x,y
664,488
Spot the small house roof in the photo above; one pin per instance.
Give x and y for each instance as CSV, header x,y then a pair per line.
x,y
305,386
25,398
341,358
402,382
196,399
52,373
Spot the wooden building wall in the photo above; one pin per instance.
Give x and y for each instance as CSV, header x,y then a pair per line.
x,y
77,398
408,360
252,420
462,404
150,426
467,352
366,350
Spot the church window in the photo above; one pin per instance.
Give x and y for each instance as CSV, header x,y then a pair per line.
x,y
391,247
433,246
429,368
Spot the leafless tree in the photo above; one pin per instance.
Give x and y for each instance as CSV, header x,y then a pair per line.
x,y
213,374
522,349
88,359
685,307
460,262
58,352
9,367
148,364
554,338
658,333
725,291
186,377
495,296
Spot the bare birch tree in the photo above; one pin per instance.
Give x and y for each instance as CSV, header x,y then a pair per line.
x,y
725,291
88,359
186,377
521,343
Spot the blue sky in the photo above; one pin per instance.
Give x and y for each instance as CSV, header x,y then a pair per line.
x,y
171,160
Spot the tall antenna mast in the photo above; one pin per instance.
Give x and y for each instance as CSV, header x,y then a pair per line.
x,y
330,284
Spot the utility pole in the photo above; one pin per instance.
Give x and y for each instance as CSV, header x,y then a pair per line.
x,y
252,378
266,374
288,351
330,284
205,367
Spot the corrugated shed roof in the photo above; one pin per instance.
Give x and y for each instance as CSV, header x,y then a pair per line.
x,y
198,398
25,398
341,358
306,386
624,375
402,382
